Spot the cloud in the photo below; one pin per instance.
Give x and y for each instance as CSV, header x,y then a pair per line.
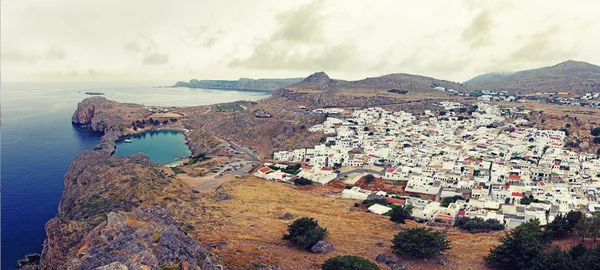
x,y
479,31
302,25
540,47
17,56
132,46
155,59
299,43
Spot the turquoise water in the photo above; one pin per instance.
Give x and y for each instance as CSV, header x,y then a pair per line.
x,y
163,146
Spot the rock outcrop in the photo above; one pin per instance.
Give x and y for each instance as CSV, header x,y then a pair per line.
x,y
109,117
108,218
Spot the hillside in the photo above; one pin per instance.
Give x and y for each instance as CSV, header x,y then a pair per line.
x,y
241,84
320,90
570,76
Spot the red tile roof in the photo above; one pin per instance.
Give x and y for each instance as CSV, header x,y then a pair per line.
x,y
517,194
514,176
395,201
264,170
390,170
326,169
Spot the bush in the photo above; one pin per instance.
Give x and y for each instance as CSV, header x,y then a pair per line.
x,y
597,140
177,170
369,178
305,233
555,259
301,181
420,243
348,262
400,213
370,202
396,91
477,225
596,131
448,200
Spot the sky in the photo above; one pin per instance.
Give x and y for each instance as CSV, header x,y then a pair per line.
x,y
150,40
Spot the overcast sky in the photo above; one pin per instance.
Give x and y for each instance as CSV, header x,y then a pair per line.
x,y
146,40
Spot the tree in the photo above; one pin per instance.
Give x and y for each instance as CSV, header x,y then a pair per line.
x,y
583,228
369,178
348,262
597,140
596,131
556,259
591,259
477,225
578,250
420,242
564,225
400,213
301,181
366,129
519,247
442,113
165,122
448,200
304,233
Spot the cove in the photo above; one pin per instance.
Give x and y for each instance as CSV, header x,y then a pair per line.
x,y
162,146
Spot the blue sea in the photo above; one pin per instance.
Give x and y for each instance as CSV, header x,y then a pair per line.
x,y
38,143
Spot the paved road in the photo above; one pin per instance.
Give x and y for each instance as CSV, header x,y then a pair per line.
x,y
253,157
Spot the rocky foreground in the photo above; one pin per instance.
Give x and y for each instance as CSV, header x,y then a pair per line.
x,y
111,217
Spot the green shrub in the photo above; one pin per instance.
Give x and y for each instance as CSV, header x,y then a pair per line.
x,y
596,131
420,243
447,201
304,233
177,170
477,225
400,213
396,91
301,181
348,262
369,178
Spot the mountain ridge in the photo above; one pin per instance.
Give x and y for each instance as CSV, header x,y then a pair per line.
x,y
572,76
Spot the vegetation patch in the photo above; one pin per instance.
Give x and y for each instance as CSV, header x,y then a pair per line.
x,y
420,243
229,107
477,225
348,262
304,233
396,91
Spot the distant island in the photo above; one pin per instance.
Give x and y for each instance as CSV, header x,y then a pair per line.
x,y
243,84
94,93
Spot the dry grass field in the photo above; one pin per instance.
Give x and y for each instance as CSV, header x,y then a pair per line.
x,y
247,227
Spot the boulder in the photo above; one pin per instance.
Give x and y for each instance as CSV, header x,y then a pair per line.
x,y
322,247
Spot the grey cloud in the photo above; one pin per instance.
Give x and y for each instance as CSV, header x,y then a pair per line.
x,y
132,46
155,59
540,48
301,25
55,53
93,72
299,44
479,31
16,56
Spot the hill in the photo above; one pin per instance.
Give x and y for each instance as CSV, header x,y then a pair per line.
x,y
569,76
320,90
243,84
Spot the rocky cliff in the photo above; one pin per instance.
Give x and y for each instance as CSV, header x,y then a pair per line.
x,y
109,218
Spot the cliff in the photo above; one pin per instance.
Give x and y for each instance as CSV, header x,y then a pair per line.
x,y
109,217
243,84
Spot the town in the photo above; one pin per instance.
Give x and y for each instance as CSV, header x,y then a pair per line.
x,y
492,164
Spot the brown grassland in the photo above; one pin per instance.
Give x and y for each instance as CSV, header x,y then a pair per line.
x,y
251,226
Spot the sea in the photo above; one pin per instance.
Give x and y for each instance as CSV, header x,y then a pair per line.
x,y
38,143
